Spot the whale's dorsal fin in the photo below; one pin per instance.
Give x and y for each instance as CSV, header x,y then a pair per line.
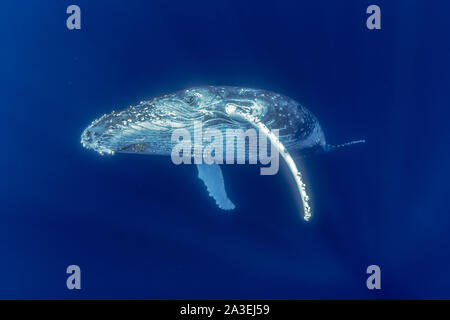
x,y
211,175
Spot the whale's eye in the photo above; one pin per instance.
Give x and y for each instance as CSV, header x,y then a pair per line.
x,y
190,99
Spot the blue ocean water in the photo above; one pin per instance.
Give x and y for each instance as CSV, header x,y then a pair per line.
x,y
141,227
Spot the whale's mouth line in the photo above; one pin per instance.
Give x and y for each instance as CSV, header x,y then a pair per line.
x,y
90,144
99,149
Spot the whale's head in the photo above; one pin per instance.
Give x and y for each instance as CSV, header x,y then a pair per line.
x,y
148,126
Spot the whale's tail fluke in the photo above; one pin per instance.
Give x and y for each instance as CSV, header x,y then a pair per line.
x,y
330,147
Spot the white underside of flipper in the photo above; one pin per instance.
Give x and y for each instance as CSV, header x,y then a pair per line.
x,y
301,187
292,168
211,175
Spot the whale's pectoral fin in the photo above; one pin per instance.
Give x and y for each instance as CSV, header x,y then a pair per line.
x,y
301,187
211,174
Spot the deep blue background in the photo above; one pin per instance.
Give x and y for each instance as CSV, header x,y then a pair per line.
x,y
141,227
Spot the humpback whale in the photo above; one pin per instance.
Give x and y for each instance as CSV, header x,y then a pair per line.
x,y
147,128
